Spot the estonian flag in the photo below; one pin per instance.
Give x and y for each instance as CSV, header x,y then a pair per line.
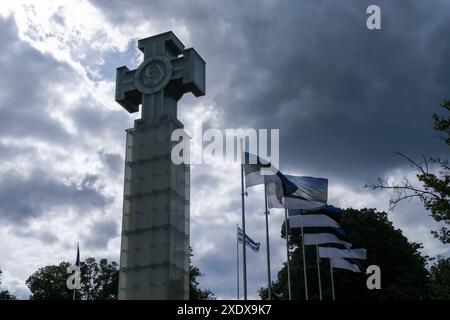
x,y
258,170
327,235
330,252
252,244
77,262
297,192
329,216
347,264
324,238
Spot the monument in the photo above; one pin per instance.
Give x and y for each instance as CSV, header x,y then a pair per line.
x,y
154,257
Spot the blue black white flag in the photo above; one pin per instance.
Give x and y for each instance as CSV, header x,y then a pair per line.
x,y
312,220
347,264
77,261
297,192
252,244
324,238
331,252
258,170
329,216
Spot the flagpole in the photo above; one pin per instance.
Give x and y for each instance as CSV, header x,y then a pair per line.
x,y
244,246
304,267
286,230
267,245
74,287
237,260
318,271
332,280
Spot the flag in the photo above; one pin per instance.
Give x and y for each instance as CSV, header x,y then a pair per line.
x,y
330,252
332,212
292,192
312,220
348,264
324,238
252,244
297,192
77,262
323,235
258,170
329,216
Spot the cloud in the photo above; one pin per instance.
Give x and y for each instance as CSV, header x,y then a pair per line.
x,y
34,196
112,161
47,237
26,78
99,234
343,97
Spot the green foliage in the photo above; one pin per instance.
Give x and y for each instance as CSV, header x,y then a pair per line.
x,y
4,294
433,175
442,124
440,279
49,283
403,271
99,281
195,293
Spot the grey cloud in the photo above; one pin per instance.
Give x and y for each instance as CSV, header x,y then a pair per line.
x,y
47,237
94,122
100,233
22,197
343,97
11,152
26,79
113,161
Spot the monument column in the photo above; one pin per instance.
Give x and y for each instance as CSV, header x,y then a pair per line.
x,y
154,257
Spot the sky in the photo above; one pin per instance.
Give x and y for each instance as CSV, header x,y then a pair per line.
x,y
344,98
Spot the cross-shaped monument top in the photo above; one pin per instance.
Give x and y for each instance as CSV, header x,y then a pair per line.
x,y
167,72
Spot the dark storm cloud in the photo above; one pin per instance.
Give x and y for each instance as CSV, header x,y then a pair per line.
x,y
100,233
344,97
22,198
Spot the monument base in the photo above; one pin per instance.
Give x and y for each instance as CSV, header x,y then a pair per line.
x,y
154,261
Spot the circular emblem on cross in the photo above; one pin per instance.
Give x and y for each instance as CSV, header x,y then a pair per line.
x,y
153,74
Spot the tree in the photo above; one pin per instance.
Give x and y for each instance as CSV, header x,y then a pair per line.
x,y
4,294
195,293
99,281
440,279
403,268
434,176
49,283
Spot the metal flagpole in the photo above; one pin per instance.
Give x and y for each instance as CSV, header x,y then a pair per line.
x,y
74,287
318,271
332,280
287,251
304,267
237,259
244,245
267,245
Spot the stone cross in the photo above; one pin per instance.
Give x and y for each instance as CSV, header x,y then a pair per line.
x,y
167,72
154,254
